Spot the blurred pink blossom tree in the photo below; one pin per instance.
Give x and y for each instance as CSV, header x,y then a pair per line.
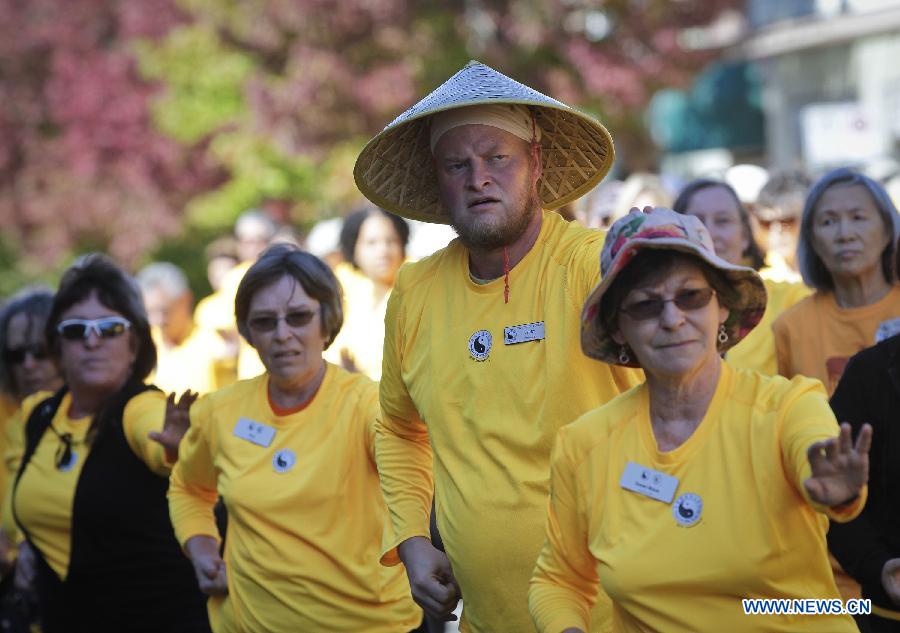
x,y
125,123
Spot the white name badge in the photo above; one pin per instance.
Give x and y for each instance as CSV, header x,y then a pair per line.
x,y
523,333
648,482
255,432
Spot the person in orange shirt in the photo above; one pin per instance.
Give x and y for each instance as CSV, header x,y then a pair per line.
x,y
846,250
848,237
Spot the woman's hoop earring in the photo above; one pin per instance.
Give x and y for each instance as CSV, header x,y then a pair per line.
x,y
723,335
624,358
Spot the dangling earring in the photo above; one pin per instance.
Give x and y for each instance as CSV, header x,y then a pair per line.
x,y
624,358
723,335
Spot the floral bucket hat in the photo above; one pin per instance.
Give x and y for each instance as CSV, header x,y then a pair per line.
x,y
664,229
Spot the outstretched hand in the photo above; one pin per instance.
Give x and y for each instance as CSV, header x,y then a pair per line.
x,y
839,469
176,423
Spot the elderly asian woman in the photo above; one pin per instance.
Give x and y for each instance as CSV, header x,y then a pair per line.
x,y
717,205
704,485
90,493
291,453
848,237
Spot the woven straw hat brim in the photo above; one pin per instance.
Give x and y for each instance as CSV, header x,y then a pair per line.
x,y
395,170
747,307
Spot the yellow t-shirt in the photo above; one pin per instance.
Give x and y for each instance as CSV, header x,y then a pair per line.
x,y
14,447
361,339
191,365
747,528
757,350
44,495
816,337
777,269
9,409
12,443
215,313
488,410
302,546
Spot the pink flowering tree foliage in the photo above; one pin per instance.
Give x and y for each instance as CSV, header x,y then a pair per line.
x,y
126,124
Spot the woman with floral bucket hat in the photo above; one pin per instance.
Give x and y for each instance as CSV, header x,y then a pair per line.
x,y
706,484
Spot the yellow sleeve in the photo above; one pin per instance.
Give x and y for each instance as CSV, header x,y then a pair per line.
x,y
192,487
402,449
12,457
564,585
808,418
584,275
15,442
144,413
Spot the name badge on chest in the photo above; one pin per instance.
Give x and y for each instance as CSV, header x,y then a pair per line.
x,y
523,333
254,432
648,482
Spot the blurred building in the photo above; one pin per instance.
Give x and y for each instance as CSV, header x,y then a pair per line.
x,y
798,83
830,79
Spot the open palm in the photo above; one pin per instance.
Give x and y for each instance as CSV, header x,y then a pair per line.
x,y
839,469
176,424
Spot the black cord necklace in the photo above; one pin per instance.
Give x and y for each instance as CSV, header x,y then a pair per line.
x,y
64,453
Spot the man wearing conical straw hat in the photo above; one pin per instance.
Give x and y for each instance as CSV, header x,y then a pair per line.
x,y
482,358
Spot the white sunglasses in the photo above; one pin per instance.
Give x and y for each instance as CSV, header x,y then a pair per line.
x,y
107,327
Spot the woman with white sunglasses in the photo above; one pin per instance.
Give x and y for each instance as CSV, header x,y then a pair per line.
x,y
90,493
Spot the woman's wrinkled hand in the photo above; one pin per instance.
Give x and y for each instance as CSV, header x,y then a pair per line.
x,y
431,580
212,577
839,469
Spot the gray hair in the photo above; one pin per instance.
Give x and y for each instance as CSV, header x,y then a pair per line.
x,y
35,302
812,269
163,275
255,218
311,273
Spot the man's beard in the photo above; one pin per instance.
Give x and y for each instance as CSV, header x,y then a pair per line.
x,y
488,234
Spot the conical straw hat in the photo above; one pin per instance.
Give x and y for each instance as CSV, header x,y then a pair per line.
x,y
395,169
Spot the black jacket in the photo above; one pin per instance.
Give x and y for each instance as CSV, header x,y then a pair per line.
x,y
869,392
126,570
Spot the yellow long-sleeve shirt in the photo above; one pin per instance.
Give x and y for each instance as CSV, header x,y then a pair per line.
x,y
44,495
753,532
12,445
305,514
757,350
488,410
361,339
